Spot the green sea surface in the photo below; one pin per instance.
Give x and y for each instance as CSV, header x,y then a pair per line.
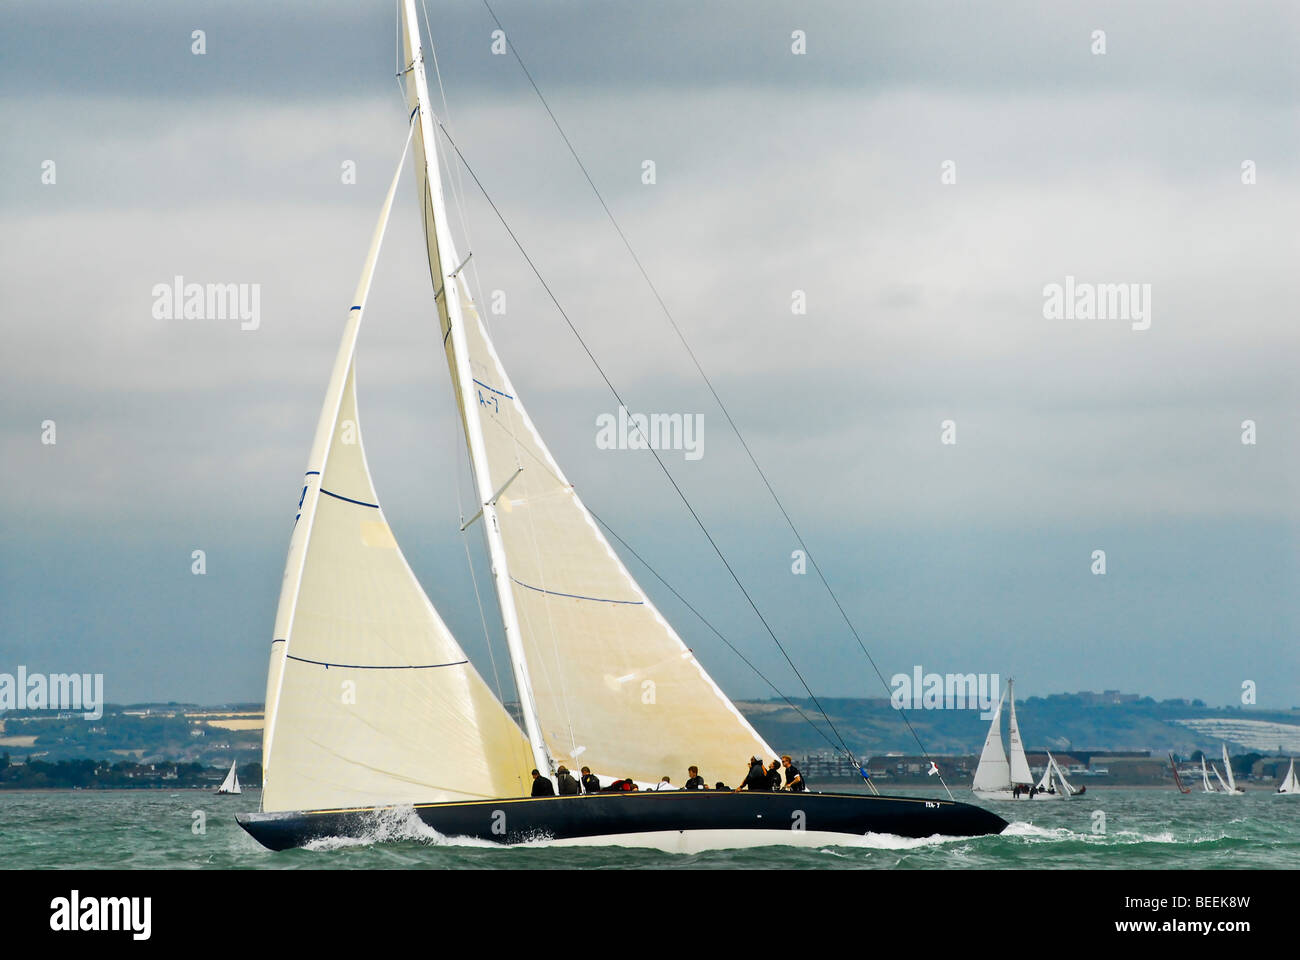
x,y
1105,829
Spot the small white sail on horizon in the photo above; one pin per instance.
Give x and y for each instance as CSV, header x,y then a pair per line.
x,y
1045,781
1066,785
231,783
1289,784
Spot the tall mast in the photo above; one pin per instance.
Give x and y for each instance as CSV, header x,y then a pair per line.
x,y
442,251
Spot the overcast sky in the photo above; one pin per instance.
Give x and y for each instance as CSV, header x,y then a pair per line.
x,y
775,172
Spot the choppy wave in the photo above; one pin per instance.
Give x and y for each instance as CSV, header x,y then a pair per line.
x,y
152,829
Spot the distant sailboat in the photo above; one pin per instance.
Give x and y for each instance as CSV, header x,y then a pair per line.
x,y
1289,783
1177,779
231,783
1053,784
996,778
1231,786
1206,786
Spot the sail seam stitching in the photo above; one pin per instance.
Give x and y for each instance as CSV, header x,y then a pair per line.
x,y
368,666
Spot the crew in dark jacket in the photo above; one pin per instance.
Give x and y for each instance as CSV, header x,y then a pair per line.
x,y
756,779
590,782
696,782
568,786
542,786
774,775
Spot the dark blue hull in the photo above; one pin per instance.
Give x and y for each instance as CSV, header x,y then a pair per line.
x,y
649,816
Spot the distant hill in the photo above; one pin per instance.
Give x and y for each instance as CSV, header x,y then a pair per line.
x,y
1059,722
189,733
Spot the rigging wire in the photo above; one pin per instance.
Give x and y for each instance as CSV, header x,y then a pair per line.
x,y
700,369
659,460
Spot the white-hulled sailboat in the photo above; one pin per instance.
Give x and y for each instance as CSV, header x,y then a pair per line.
x,y
1231,786
1053,784
1206,786
996,778
1289,784
372,705
231,783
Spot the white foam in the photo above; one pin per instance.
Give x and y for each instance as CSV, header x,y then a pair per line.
x,y
397,823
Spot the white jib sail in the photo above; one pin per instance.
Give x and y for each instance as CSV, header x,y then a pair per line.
x,y
370,700
612,683
1045,780
1223,787
231,783
1019,762
993,772
1205,778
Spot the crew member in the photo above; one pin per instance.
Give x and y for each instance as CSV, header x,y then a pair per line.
x,y
756,779
794,781
774,775
696,782
542,786
568,785
590,782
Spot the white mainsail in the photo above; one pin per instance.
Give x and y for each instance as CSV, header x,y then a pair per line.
x,y
231,783
1289,783
993,772
1227,768
603,678
370,700
1205,778
1019,763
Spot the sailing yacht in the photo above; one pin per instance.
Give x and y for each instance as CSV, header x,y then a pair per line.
x,y
371,704
1289,784
1231,786
1178,781
996,778
231,783
1206,786
1053,784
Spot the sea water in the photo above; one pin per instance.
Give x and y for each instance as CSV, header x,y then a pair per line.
x,y
1105,829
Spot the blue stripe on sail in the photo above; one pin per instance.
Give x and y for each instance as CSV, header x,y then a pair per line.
x,y
380,666
494,390
360,503
576,596
312,473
